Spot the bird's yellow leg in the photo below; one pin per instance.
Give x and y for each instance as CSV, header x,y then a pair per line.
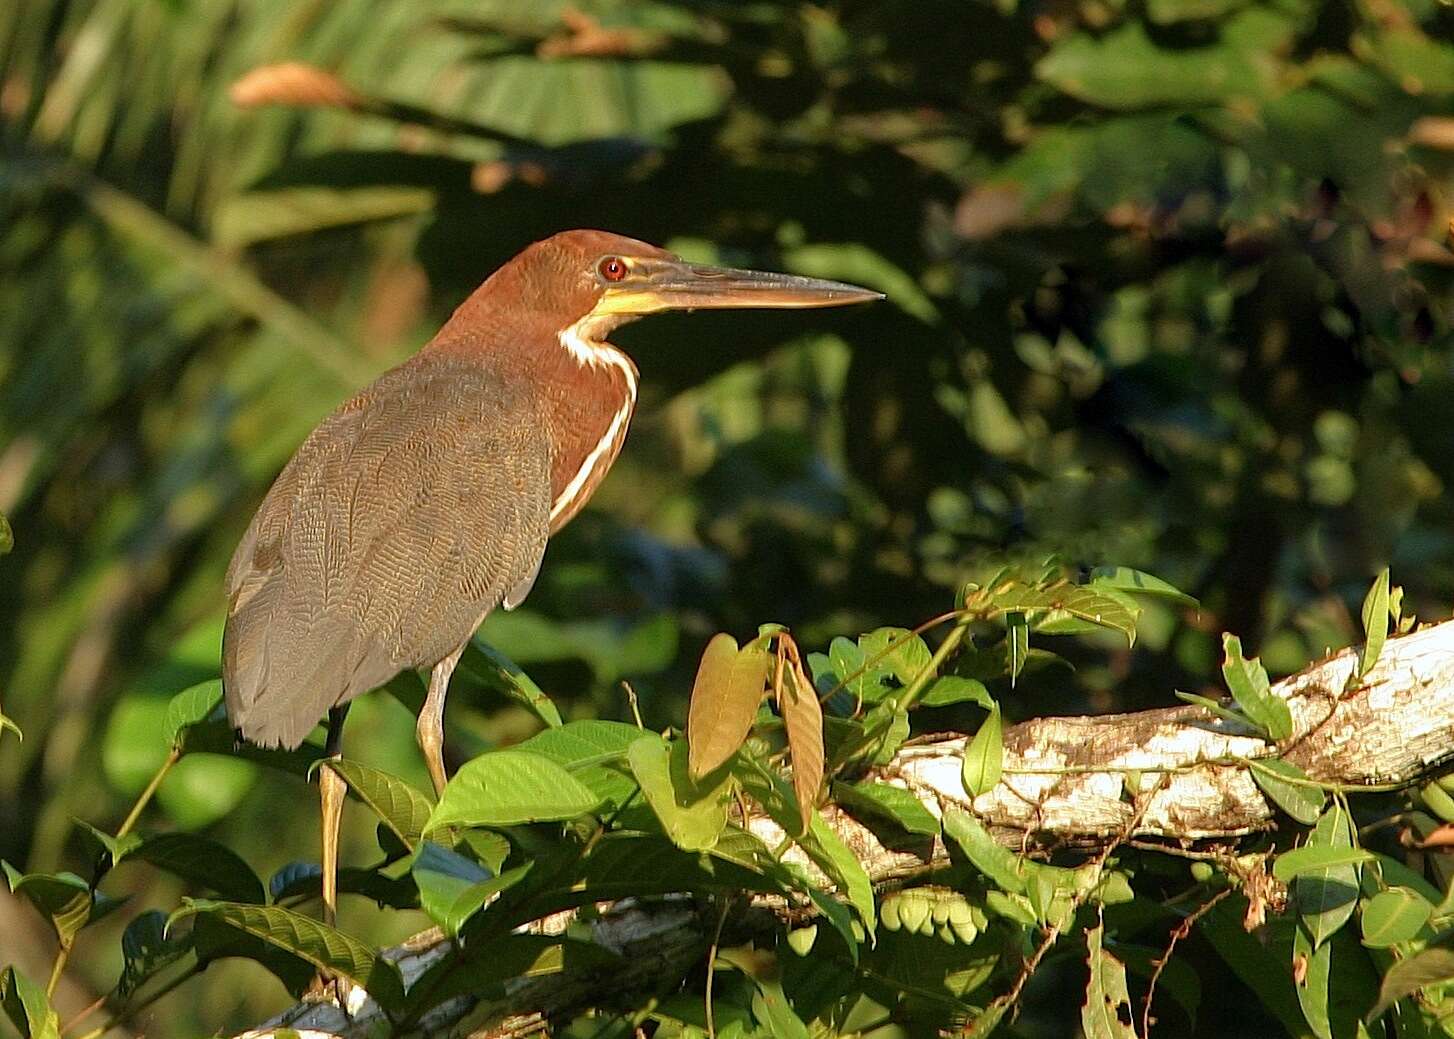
x,y
430,729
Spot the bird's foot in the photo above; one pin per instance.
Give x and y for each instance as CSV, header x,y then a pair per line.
x,y
331,988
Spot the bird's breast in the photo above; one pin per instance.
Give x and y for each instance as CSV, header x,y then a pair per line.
x,y
589,402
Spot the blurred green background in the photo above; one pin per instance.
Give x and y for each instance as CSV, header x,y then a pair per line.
x,y
1168,287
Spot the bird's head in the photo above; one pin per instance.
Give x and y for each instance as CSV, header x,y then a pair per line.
x,y
594,281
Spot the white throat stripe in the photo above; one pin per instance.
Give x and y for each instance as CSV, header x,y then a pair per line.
x,y
595,354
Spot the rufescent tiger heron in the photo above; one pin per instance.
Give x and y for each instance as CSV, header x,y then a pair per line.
x,y
426,499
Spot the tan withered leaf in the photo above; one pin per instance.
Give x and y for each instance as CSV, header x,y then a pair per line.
x,y
797,701
729,686
292,83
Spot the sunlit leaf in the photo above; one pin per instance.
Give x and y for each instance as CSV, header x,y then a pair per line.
x,y
803,719
191,706
1375,622
1249,685
64,899
890,802
1279,781
693,813
952,689
403,808
729,686
509,787
1393,916
1125,579
1316,966
1000,865
984,757
495,671
1326,897
1107,1013
1308,859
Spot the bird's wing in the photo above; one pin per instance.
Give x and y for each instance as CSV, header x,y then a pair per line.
x,y
406,516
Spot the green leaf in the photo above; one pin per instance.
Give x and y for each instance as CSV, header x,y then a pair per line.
x,y
114,848
510,787
485,969
1312,991
580,744
848,661
146,949
7,536
897,650
984,757
403,808
451,893
890,802
885,728
204,862
190,706
1375,623
1001,866
1107,1013
692,813
1393,916
62,898
729,686
6,723
1432,966
324,947
1018,602
1326,897
1247,680
27,1006
248,217
1125,579
1017,644
1302,860
488,666
952,689
773,1011
1299,800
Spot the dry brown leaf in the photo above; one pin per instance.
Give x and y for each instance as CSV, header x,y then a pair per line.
x,y
729,686
797,701
292,83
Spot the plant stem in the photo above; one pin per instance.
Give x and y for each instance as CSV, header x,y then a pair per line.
x,y
146,795
57,969
129,1012
916,688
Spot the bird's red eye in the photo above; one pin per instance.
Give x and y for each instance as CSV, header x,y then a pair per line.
x,y
612,268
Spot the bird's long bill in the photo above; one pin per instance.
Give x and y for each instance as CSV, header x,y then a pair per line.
x,y
675,285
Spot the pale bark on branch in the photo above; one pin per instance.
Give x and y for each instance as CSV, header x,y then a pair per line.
x,y
1065,784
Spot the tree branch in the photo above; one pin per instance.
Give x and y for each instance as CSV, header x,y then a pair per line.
x,y
1064,784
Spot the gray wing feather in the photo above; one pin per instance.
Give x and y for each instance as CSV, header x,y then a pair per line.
x,y
405,517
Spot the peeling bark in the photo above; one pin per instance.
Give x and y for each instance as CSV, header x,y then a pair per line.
x,y
1064,784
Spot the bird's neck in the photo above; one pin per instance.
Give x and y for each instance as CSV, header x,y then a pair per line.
x,y
585,386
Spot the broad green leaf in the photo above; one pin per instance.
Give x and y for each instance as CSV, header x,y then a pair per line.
x,y
1247,680
952,689
889,801
487,665
1326,897
147,948
1432,966
1125,579
773,1011
1312,991
1394,916
1306,859
1019,603
202,861
402,807
1299,800
116,848
510,787
451,901
848,661
1126,69
26,1005
984,757
1375,623
885,728
692,813
902,653
62,898
189,707
324,947
580,744
1001,866
1107,1013
803,719
729,686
